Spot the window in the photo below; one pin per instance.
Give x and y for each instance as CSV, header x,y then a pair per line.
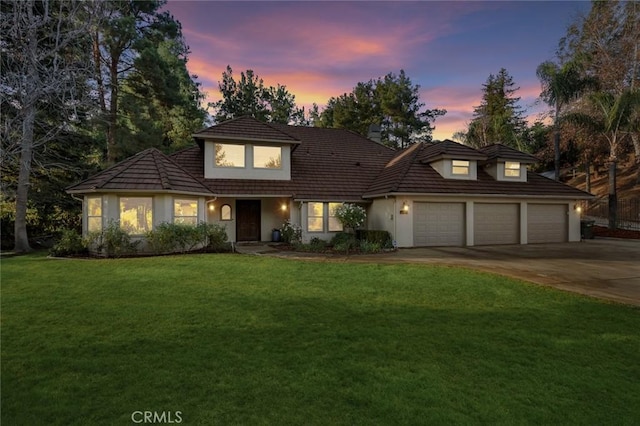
x,y
315,217
228,155
185,211
136,214
225,212
334,223
267,157
94,214
460,167
511,169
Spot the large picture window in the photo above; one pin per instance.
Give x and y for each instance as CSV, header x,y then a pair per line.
x,y
334,224
136,214
315,217
228,155
267,157
94,214
185,211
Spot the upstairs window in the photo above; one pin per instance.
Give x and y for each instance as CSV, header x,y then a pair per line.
x,y
94,214
185,211
460,167
229,155
511,169
267,157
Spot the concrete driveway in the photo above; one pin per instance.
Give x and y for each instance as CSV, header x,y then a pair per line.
x,y
604,268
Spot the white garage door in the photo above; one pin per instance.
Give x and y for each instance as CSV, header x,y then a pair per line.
x,y
496,223
438,224
547,223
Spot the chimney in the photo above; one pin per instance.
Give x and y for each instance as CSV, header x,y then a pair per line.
x,y
374,133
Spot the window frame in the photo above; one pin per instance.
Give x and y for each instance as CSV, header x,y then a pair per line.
x,y
466,165
512,169
194,216
321,217
264,167
90,216
244,155
149,219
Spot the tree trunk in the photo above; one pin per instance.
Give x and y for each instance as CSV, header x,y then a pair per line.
x,y
636,148
556,153
613,196
22,192
587,170
113,113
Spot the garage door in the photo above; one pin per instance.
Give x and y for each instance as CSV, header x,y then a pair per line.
x,y
438,224
496,223
547,223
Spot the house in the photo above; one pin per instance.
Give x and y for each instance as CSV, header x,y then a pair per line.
x,y
251,176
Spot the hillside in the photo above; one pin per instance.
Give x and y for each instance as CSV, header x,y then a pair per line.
x,y
627,181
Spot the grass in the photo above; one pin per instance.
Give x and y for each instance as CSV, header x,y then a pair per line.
x,y
230,339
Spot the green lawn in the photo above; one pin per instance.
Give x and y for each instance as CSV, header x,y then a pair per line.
x,y
230,339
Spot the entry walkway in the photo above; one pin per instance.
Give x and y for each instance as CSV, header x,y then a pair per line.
x,y
603,268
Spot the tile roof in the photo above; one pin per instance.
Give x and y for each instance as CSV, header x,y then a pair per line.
x,y
149,170
409,175
503,152
449,149
326,165
246,128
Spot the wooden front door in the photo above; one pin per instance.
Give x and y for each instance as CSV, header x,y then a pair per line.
x,y
248,220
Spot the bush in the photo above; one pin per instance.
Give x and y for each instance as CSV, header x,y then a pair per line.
x,y
215,237
175,238
344,242
290,233
112,241
351,216
70,243
369,247
383,238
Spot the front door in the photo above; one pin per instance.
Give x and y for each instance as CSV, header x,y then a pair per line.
x,y
248,220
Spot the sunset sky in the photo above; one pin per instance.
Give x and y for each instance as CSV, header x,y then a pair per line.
x,y
320,49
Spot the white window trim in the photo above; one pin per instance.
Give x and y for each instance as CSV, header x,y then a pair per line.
x,y
101,216
512,169
321,217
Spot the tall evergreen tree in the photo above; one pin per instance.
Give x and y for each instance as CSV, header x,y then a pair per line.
x,y
499,118
249,96
392,102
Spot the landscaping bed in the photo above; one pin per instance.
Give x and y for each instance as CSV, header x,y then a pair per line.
x,y
601,231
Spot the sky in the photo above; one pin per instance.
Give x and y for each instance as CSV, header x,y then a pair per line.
x,y
322,49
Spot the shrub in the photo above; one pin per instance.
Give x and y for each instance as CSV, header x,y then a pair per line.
x,y
215,237
175,237
369,247
290,233
70,243
383,238
351,216
112,241
344,242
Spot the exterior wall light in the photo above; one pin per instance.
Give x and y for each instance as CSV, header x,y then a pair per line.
x,y
283,207
405,208
578,208
212,207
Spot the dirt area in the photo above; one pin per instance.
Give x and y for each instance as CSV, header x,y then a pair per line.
x,y
601,231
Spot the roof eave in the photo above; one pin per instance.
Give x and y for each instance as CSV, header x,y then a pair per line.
x,y
231,138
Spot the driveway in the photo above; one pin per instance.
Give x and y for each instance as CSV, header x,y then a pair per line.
x,y
603,268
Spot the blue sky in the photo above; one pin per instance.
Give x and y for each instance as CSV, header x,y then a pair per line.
x,y
320,49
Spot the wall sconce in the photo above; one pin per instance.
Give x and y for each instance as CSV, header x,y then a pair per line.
x,y
283,207
405,208
578,208
212,207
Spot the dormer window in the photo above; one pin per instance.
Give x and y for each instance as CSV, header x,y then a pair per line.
x,y
512,169
460,167
267,157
